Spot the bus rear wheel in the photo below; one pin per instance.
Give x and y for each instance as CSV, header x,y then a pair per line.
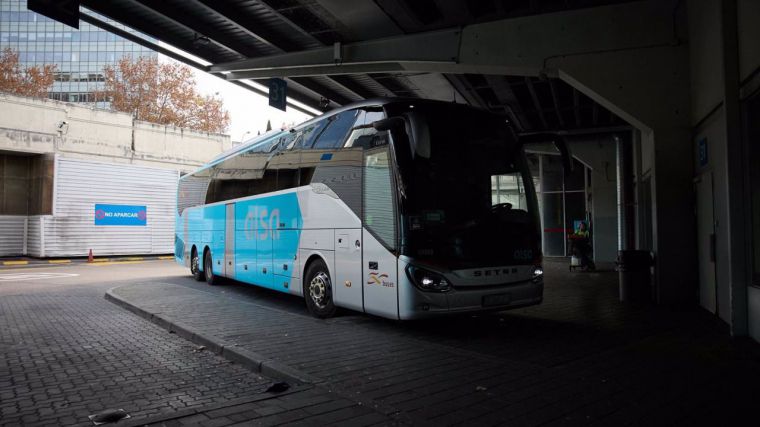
x,y
208,269
318,290
194,267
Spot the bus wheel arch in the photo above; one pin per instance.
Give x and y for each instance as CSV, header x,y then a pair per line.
x,y
317,288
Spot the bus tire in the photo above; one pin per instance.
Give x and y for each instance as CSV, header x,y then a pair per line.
x,y
208,269
317,290
194,264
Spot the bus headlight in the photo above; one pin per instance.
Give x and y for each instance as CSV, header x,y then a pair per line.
x,y
538,273
427,280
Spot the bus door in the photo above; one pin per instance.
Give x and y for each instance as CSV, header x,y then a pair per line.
x,y
229,241
379,263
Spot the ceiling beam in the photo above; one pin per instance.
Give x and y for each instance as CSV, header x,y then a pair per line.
x,y
355,88
435,47
253,29
514,46
311,71
188,24
219,9
150,45
536,102
577,107
507,98
555,99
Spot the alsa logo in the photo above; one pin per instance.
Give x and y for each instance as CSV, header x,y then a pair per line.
x,y
267,223
493,272
379,279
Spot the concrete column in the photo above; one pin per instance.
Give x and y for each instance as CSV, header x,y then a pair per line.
x,y
737,209
649,88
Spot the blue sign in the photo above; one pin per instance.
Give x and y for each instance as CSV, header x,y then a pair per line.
x,y
278,92
703,152
121,215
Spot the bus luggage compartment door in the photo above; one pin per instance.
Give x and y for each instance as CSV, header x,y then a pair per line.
x,y
348,269
380,278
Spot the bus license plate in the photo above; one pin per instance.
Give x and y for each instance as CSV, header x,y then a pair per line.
x,y
498,299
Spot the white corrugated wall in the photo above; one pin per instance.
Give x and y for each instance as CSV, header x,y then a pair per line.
x,y
12,234
33,236
81,184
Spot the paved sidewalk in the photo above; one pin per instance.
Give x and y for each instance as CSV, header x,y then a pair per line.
x,y
66,353
580,358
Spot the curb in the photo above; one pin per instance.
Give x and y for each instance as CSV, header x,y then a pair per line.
x,y
248,359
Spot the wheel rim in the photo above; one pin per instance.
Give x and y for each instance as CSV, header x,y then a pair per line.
x,y
194,263
319,290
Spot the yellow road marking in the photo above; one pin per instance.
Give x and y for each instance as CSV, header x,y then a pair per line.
x,y
101,260
136,258
15,262
166,257
59,261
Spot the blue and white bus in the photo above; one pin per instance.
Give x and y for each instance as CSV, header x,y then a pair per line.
x,y
387,206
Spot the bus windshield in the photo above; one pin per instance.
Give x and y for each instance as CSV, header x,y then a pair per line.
x,y
469,197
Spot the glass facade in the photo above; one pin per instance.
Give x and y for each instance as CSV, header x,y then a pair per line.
x,y
563,201
80,55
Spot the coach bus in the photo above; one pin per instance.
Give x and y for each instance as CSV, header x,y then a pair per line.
x,y
386,206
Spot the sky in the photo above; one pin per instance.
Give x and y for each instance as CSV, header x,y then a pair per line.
x,y
249,111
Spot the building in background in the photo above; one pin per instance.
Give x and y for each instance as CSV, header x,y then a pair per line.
x,y
80,55
74,178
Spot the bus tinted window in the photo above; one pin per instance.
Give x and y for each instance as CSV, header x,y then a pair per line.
x,y
191,192
337,128
310,134
379,207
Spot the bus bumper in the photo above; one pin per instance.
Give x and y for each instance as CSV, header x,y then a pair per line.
x,y
422,305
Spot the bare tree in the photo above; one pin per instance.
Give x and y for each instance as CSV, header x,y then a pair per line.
x,y
164,93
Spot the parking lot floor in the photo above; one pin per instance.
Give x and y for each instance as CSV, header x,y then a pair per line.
x,y
66,353
580,358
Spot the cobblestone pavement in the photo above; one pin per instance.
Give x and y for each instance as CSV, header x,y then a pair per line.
x,y
579,358
66,353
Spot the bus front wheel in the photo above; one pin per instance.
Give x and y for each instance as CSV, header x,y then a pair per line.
x,y
194,267
208,269
318,290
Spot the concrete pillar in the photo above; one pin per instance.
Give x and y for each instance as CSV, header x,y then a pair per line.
x,y
649,87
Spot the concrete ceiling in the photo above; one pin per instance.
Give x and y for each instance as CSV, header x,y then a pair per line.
x,y
226,31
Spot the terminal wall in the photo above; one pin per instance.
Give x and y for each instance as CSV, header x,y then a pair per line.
x,y
720,69
30,125
57,160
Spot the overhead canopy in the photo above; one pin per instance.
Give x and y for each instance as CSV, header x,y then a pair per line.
x,y
253,40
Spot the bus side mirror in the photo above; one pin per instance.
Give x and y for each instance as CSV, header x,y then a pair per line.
x,y
564,151
391,123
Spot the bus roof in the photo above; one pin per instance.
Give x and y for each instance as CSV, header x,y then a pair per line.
x,y
371,102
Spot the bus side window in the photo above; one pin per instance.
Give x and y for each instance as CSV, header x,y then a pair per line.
x,y
363,134
309,134
337,128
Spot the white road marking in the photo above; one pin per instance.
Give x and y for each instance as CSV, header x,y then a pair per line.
x,y
17,277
